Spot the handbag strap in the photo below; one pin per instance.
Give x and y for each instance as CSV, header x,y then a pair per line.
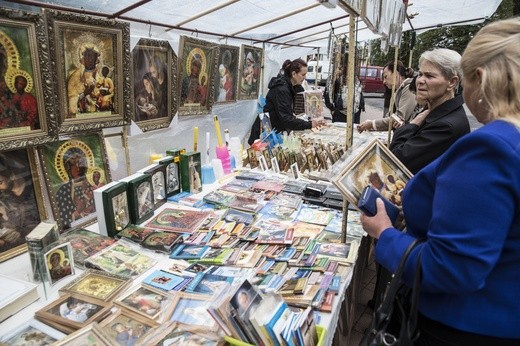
x,y
385,309
414,300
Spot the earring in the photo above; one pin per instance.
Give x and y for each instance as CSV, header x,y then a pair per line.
x,y
479,101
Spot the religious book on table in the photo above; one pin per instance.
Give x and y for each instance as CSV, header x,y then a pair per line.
x,y
341,252
135,233
211,284
40,237
140,197
183,251
15,295
179,220
281,235
162,241
163,280
315,215
112,208
215,256
279,212
305,299
219,198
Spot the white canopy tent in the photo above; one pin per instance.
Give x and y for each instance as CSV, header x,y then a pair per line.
x,y
285,29
301,23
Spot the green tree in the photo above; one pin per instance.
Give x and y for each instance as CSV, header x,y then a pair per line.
x,y
452,37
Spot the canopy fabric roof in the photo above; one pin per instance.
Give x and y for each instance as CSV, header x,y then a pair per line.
x,y
303,22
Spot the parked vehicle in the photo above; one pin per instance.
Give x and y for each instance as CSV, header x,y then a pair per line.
x,y
371,78
323,72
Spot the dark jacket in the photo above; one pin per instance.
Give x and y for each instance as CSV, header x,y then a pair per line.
x,y
417,146
280,103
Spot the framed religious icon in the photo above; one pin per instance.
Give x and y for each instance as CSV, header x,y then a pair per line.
x,y
92,56
70,312
59,262
125,328
21,201
226,74
197,63
89,335
373,165
27,95
31,329
159,185
73,169
140,196
250,72
112,207
96,284
192,309
154,66
148,302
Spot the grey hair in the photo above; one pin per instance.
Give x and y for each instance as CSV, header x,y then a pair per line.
x,y
446,60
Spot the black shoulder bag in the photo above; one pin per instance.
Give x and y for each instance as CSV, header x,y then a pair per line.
x,y
394,322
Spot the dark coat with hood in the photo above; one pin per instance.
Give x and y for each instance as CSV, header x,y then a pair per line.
x,y
280,104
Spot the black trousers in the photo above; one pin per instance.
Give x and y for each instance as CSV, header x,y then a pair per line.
x,y
433,333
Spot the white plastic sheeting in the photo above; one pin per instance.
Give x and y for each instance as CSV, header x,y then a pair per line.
x,y
242,19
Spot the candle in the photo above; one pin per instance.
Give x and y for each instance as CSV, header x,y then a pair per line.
x,y
195,137
217,130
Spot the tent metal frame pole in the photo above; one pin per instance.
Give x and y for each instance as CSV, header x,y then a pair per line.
x,y
142,21
129,8
316,33
290,14
321,38
208,11
305,28
350,105
392,97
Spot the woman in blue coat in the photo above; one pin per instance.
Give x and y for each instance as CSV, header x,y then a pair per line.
x,y
465,205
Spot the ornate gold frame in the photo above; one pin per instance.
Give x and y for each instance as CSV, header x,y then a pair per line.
x,y
71,36
155,50
28,57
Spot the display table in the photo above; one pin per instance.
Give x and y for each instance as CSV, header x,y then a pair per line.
x,y
19,267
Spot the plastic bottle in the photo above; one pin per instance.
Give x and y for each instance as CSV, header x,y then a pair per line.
x,y
235,149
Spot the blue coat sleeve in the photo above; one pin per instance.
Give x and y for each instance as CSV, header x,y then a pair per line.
x,y
473,209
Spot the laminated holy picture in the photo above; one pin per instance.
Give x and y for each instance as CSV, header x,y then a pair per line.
x,y
319,216
163,280
59,262
85,243
125,328
96,284
161,241
192,309
183,251
122,259
178,220
146,301
209,284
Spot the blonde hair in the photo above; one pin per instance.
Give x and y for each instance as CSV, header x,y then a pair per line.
x,y
495,49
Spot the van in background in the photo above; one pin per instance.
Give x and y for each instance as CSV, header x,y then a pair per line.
x,y
323,72
371,78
